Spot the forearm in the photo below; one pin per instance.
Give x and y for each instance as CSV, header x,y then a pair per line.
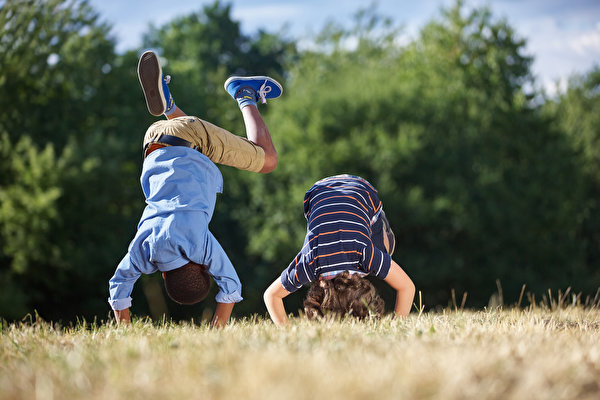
x,y
405,289
273,298
122,316
276,310
404,301
222,314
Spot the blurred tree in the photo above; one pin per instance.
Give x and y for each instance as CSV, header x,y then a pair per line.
x,y
578,112
502,184
200,51
478,185
69,180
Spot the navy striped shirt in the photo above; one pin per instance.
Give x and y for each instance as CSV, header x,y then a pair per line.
x,y
340,211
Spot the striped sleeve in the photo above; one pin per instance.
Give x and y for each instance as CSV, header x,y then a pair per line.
x,y
376,262
297,274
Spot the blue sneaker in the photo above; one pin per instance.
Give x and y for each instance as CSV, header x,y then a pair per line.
x,y
154,85
263,87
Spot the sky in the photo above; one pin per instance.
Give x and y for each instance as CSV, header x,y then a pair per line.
x,y
562,36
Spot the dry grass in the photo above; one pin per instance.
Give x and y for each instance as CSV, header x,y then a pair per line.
x,y
512,354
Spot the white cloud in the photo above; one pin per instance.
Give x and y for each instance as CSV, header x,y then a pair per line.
x,y
587,42
563,36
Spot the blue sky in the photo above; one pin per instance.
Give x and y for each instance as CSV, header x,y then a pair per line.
x,y
563,36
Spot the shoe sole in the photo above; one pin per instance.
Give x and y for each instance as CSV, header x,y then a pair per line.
x,y
150,76
255,78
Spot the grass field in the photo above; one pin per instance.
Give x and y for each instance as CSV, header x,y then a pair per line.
x,y
510,354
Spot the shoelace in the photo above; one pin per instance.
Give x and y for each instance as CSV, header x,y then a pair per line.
x,y
263,91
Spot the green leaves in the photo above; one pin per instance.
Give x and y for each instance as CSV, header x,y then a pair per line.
x,y
476,184
28,211
479,182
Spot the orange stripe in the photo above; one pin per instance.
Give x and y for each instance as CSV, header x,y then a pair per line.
x,y
378,208
371,260
296,268
371,200
342,212
333,254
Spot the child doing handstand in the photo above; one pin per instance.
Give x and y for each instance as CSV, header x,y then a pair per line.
x,y
348,237
180,182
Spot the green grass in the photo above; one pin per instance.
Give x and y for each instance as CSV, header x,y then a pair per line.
x,y
510,354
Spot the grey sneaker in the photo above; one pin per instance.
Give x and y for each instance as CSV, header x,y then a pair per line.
x,y
154,84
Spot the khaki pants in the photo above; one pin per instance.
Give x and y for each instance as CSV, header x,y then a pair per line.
x,y
219,145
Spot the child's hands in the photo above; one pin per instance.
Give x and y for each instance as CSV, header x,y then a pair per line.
x,y
222,314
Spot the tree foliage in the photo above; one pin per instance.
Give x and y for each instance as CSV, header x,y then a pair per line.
x,y
67,182
479,182
577,111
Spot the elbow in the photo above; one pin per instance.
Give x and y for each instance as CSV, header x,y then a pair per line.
x,y
267,297
411,289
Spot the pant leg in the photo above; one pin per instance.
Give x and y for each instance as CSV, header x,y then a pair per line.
x,y
218,144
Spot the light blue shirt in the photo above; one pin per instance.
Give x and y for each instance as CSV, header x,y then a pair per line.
x,y
180,185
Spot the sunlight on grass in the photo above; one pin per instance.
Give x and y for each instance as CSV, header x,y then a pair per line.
x,y
511,354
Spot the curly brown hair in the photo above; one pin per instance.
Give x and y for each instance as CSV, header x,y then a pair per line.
x,y
188,284
345,295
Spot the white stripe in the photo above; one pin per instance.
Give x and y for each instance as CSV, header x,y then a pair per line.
x,y
361,196
335,265
336,242
314,228
327,223
339,271
317,195
341,204
374,219
380,265
304,267
292,283
341,191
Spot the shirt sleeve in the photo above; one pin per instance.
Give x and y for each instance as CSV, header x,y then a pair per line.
x,y
376,262
222,271
121,284
297,274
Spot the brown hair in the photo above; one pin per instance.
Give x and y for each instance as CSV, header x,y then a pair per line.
x,y
346,294
188,284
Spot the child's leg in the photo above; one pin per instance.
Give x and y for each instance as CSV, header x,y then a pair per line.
x,y
247,91
256,153
258,133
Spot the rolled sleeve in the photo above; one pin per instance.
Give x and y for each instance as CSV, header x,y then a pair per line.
x,y
120,304
376,262
287,283
234,297
296,274
121,284
222,271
